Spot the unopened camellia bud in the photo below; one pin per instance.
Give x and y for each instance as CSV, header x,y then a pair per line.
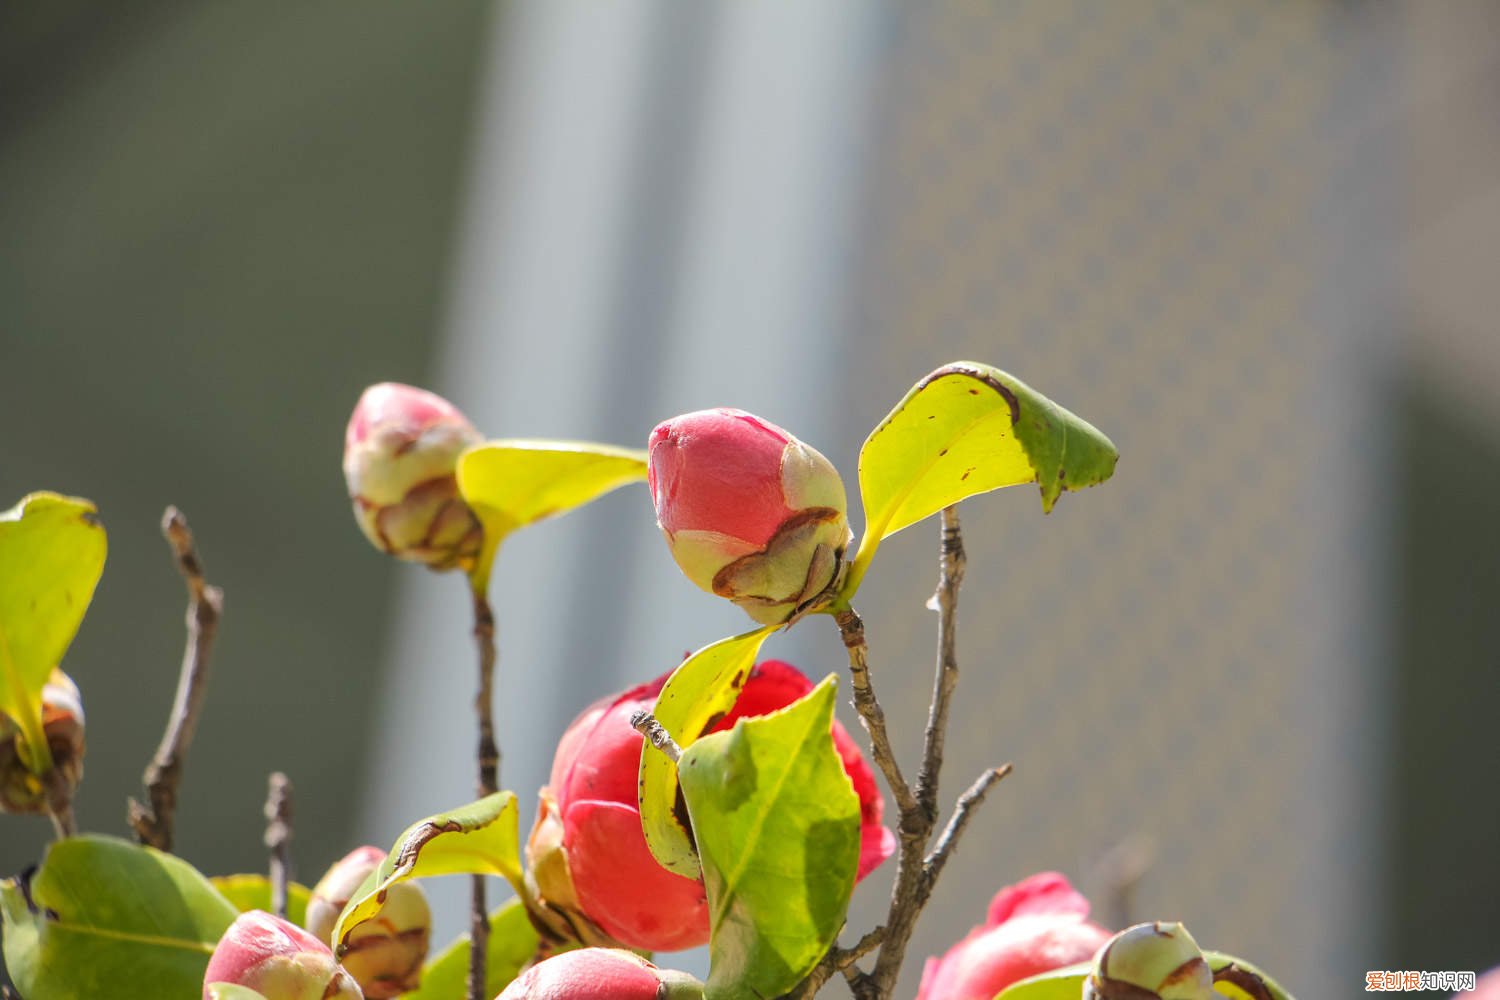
x,y
385,953
62,724
278,960
750,513
1156,960
601,974
400,451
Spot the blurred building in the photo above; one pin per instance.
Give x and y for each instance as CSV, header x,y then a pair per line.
x,y
1254,243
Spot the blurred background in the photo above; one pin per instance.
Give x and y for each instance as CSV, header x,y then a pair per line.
x,y
1255,243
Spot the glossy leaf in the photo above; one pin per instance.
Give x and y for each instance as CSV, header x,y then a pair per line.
x,y
965,429
52,551
777,826
1234,979
700,691
253,892
513,943
103,917
512,483
481,838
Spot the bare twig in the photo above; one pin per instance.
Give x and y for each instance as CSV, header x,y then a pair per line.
x,y
948,839
278,838
153,823
656,734
916,875
945,602
489,778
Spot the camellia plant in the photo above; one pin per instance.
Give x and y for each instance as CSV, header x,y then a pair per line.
x,y
719,803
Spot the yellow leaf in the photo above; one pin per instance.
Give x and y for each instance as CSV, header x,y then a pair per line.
x,y
52,551
512,483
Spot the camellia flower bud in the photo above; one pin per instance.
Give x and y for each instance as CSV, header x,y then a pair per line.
x,y
1151,960
62,724
750,513
601,974
587,855
1034,926
384,954
400,451
278,960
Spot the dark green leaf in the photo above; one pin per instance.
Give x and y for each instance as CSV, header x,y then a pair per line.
x,y
103,917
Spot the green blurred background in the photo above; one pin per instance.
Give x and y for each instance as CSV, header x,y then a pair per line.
x,y
1253,242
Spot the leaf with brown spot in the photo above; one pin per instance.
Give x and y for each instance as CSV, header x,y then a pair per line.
x,y
481,838
966,429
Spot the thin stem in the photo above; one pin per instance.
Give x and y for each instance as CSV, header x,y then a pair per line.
x,y
951,563
60,804
153,823
656,734
489,778
916,875
278,838
957,823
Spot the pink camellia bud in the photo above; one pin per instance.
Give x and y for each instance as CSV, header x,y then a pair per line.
x,y
750,513
400,451
384,954
1033,927
278,960
587,854
601,974
62,724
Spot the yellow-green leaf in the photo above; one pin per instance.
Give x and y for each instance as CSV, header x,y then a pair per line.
x,y
777,826
1059,984
51,555
103,917
513,943
965,429
702,689
481,838
253,892
1237,979
513,483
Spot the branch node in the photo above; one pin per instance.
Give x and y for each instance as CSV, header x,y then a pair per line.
x,y
656,734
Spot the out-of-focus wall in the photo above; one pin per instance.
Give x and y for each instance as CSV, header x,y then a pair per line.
x,y
217,223
1157,214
